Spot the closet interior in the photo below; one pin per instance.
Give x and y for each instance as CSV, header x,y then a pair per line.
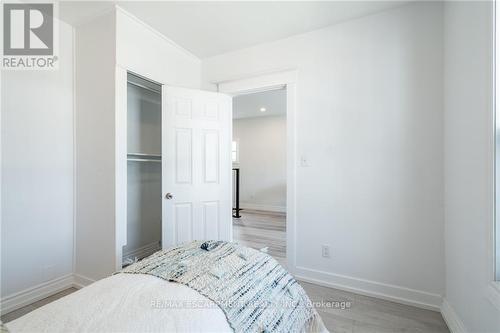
x,y
144,169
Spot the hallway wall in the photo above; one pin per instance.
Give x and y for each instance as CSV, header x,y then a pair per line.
x,y
262,162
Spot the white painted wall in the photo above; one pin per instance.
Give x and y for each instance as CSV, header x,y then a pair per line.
x,y
468,163
37,173
369,122
144,51
262,162
95,147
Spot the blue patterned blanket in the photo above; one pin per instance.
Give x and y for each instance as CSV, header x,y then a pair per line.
x,y
255,293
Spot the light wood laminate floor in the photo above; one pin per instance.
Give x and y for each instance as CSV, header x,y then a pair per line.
x,y
341,311
259,229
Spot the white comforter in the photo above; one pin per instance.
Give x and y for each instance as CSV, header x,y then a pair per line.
x,y
127,303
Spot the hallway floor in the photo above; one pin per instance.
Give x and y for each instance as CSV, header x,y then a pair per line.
x,y
260,229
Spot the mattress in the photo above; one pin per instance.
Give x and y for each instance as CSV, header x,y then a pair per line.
x,y
127,303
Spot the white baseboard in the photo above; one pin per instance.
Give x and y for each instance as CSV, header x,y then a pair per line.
x,y
269,208
41,291
36,293
80,281
451,318
142,252
418,298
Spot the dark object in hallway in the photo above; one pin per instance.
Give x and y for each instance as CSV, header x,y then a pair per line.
x,y
237,209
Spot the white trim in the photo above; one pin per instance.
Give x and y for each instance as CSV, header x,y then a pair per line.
x,y
282,76
229,133
451,318
41,291
36,293
74,149
156,32
495,226
80,281
258,82
120,164
142,251
398,294
268,208
1,169
260,90
291,168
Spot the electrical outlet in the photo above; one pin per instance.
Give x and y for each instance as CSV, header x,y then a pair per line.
x,y
304,161
325,251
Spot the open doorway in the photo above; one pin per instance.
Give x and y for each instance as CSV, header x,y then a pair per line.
x,y
259,155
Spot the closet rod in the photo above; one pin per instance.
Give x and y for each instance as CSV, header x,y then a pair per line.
x,y
144,154
144,87
142,160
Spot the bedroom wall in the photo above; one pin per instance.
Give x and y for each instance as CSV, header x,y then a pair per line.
x,y
144,51
95,148
37,175
468,168
369,121
262,162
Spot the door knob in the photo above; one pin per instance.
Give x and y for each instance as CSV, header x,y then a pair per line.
x,y
169,196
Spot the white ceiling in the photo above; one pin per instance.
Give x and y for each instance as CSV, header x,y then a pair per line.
x,y
77,12
211,28
249,105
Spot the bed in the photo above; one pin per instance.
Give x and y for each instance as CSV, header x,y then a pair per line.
x,y
196,287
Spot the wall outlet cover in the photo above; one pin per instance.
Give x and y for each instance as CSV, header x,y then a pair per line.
x,y
325,251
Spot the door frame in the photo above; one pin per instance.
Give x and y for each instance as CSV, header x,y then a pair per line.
x,y
271,81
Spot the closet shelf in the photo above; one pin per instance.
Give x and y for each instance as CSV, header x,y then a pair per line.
x,y
142,157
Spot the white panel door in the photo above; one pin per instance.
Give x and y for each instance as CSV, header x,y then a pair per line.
x,y
196,155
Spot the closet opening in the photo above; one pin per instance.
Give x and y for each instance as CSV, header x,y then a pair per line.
x,y
144,169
